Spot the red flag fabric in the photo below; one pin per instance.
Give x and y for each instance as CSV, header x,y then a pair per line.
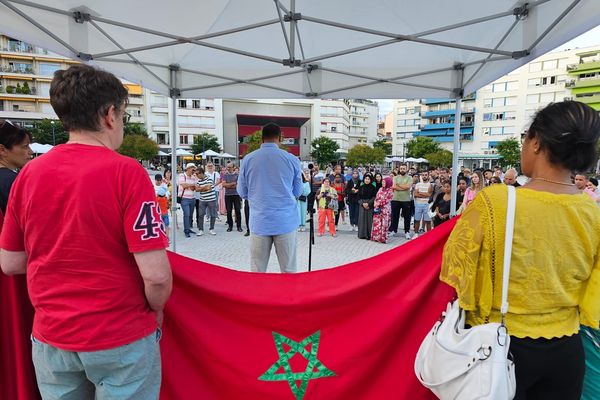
x,y
350,332
17,377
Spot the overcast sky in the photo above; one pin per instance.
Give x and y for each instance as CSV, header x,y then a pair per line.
x,y
590,38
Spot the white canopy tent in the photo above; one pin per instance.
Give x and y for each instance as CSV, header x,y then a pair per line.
x,y
304,48
226,155
38,148
209,153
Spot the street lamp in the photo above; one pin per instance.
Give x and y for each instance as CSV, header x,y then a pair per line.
x,y
317,148
53,137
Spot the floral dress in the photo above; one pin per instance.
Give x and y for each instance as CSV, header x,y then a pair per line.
x,y
381,221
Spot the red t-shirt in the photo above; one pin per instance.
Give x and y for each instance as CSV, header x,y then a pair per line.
x,y
80,212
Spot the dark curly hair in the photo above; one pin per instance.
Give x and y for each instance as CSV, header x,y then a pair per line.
x,y
569,132
12,134
81,95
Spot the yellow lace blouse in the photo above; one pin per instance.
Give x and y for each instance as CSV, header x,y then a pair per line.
x,y
555,270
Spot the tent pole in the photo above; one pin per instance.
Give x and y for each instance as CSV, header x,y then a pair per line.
x,y
460,69
175,93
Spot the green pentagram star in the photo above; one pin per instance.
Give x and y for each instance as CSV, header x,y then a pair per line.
x,y
315,368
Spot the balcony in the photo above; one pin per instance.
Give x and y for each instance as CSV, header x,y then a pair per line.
x,y
583,83
12,70
583,68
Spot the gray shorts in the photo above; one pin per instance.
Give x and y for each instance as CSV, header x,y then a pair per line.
x,y
132,371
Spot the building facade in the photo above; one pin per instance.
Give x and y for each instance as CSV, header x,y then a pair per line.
x,y
26,72
585,74
502,109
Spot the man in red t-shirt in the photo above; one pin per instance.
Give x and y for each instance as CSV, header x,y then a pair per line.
x,y
93,250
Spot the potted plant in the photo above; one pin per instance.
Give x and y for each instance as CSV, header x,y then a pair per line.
x,y
19,90
10,89
26,89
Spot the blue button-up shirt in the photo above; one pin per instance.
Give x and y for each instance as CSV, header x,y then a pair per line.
x,y
270,178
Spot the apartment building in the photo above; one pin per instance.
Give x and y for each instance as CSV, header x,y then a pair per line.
x,y
585,74
194,117
501,109
363,116
26,72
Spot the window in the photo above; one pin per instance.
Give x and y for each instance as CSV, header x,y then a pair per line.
x,y
510,130
48,69
46,108
183,139
535,67
160,120
546,97
159,101
487,102
44,89
513,85
161,138
498,102
550,64
195,103
182,103
23,68
499,87
549,80
402,111
323,126
533,98
511,101
488,116
496,130
533,82
333,128
562,63
510,115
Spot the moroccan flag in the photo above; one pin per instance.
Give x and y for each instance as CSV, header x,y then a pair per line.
x,y
350,332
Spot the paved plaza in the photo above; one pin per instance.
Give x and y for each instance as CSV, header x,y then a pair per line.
x,y
232,249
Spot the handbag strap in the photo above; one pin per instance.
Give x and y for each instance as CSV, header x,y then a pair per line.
x,y
508,242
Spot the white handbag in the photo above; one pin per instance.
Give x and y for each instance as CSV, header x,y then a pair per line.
x,y
466,364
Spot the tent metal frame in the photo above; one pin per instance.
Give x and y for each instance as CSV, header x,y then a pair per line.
x,y
305,65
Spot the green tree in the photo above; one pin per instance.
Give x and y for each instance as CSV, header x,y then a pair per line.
x,y
441,158
421,146
205,141
362,154
42,132
134,128
385,146
509,151
138,147
324,150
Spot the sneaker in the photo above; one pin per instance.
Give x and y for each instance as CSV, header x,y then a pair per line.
x,y
187,234
407,235
200,233
247,233
192,232
212,232
240,229
229,229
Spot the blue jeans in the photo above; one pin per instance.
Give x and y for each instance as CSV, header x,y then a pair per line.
x,y
188,205
132,371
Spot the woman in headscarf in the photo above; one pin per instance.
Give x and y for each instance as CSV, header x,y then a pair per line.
x,y
382,211
366,199
352,187
378,181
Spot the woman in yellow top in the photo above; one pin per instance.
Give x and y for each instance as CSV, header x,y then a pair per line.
x,y
555,265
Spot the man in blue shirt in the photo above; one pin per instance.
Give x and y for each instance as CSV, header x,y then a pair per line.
x,y
270,178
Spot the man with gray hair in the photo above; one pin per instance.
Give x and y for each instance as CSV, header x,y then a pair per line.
x,y
98,281
510,177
